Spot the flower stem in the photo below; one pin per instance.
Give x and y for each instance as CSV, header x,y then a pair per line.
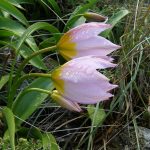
x,y
14,88
38,90
33,55
32,75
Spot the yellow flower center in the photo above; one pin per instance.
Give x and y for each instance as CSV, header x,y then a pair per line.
x,y
56,78
66,47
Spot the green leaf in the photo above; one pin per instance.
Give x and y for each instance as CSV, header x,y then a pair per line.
x,y
49,142
36,61
15,3
26,52
114,20
47,43
11,125
78,13
55,7
37,26
97,116
17,29
3,80
11,25
3,42
9,8
80,21
26,104
25,1
18,2
5,33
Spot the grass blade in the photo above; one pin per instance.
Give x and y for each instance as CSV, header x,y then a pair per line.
x,y
3,80
55,7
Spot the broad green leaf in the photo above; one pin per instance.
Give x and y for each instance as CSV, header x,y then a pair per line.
x,y
11,25
37,26
49,142
36,61
26,52
3,80
18,2
114,20
11,125
25,104
5,33
80,21
17,29
15,3
9,8
55,7
96,115
25,1
5,14
77,14
4,42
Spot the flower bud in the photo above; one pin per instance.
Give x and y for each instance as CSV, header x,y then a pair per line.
x,y
73,106
95,17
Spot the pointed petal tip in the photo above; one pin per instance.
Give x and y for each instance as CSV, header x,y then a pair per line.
x,y
109,25
103,24
115,46
113,65
114,86
118,46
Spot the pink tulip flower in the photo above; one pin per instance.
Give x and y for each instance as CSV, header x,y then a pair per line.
x,y
83,40
78,81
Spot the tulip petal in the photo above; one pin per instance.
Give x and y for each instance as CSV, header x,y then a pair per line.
x,y
87,30
95,45
91,62
87,89
107,58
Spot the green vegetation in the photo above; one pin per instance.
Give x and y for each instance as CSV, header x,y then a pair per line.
x,y
30,119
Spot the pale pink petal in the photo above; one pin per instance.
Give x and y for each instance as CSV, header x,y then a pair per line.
x,y
87,30
95,45
90,62
87,89
107,58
